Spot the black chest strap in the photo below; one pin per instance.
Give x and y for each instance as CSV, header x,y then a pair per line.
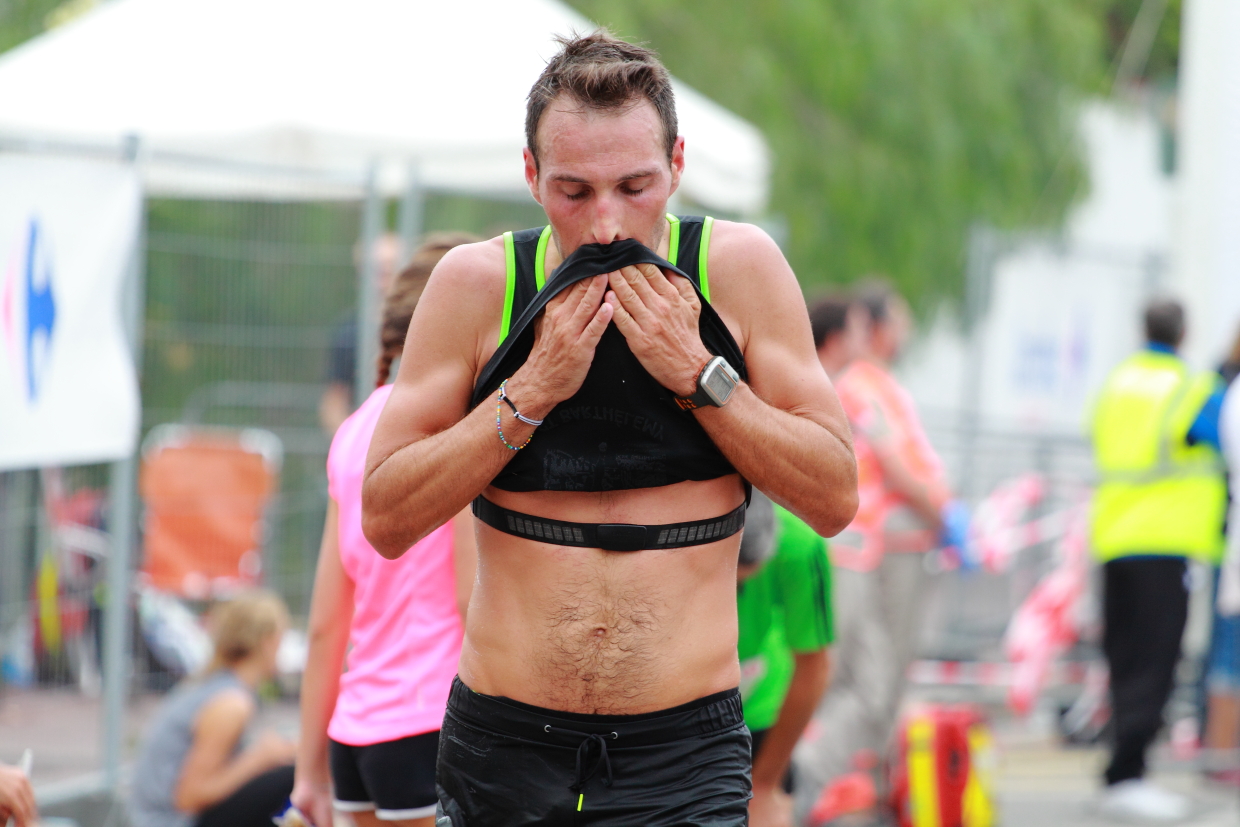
x,y
609,536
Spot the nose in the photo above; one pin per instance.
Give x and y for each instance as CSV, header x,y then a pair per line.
x,y
605,223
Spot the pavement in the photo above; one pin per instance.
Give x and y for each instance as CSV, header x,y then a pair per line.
x,y
1039,783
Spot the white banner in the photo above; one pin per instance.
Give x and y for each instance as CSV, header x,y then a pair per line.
x,y
68,388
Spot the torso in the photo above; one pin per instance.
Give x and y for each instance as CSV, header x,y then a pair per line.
x,y
584,630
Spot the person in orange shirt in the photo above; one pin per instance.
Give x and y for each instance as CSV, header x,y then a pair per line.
x,y
905,510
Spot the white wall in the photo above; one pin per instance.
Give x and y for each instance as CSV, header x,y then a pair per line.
x,y
1207,227
1062,312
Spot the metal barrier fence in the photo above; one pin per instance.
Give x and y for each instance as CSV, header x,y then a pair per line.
x,y
244,304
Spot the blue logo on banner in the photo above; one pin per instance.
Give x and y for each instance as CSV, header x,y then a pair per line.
x,y
29,324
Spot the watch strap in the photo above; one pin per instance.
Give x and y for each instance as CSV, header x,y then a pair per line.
x,y
699,398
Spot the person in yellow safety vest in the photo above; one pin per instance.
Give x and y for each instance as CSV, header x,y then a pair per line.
x,y
1160,501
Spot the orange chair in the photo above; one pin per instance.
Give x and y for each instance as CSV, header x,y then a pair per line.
x,y
206,491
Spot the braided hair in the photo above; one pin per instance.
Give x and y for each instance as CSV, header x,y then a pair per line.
x,y
403,297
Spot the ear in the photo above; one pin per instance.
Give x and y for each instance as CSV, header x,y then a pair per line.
x,y
531,173
678,161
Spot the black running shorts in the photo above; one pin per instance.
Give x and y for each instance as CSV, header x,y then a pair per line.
x,y
504,764
396,779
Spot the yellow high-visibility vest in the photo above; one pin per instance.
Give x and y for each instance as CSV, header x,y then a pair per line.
x,y
1158,495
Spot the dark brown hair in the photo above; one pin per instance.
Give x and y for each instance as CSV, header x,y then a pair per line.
x,y
1164,322
403,297
829,316
601,71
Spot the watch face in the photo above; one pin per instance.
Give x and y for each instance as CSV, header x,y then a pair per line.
x,y
719,382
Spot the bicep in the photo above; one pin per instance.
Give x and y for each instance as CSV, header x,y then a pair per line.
x,y
760,290
434,383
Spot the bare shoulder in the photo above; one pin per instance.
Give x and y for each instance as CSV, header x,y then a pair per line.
x,y
462,303
751,283
226,710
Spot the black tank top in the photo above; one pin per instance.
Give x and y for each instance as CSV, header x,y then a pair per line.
x,y
622,429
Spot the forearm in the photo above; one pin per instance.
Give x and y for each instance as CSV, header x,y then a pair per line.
x,y
917,494
214,788
424,484
808,684
800,463
320,686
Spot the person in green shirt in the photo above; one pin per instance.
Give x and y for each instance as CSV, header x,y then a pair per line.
x,y
783,601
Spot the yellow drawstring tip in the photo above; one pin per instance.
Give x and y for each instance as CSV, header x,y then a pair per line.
x,y
580,798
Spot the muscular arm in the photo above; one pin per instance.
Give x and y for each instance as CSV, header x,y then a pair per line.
x,y
430,455
784,430
809,681
210,772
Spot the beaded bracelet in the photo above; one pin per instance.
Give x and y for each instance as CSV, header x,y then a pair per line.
x,y
499,423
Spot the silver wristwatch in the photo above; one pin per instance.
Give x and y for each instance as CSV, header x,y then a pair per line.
x,y
715,385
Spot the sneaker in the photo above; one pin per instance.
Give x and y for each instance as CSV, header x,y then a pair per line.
x,y
851,793
1139,801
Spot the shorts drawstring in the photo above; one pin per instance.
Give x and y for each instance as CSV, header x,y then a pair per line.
x,y
584,774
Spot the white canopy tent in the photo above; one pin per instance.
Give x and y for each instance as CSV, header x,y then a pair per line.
x,y
330,88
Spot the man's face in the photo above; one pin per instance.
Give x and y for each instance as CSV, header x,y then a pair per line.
x,y
603,176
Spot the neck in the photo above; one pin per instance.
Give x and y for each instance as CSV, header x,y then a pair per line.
x,y
250,672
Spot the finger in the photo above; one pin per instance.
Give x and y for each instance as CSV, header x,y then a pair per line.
x,y
571,294
627,296
624,320
658,281
642,283
593,294
686,291
594,330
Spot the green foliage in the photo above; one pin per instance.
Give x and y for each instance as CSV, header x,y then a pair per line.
x,y
894,124
1164,59
21,20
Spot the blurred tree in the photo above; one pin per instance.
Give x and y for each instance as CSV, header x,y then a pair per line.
x,y
23,19
1164,55
894,124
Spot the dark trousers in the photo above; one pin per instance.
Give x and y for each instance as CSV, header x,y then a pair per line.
x,y
1145,607
254,802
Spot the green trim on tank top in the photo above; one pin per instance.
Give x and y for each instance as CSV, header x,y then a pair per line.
x,y
540,258
510,288
708,224
673,238
540,264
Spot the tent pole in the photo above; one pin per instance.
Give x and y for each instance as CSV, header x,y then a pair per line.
x,y
368,289
411,212
122,516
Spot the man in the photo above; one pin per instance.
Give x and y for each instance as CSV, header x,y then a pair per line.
x,y
646,440
784,608
1160,501
839,326
879,563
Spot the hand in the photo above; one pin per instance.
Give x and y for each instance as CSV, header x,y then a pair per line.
x,y
16,798
272,750
565,336
770,807
660,321
314,800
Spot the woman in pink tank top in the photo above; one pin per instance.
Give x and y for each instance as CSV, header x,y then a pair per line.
x,y
370,735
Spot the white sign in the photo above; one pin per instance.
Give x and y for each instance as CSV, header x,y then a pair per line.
x,y
68,236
